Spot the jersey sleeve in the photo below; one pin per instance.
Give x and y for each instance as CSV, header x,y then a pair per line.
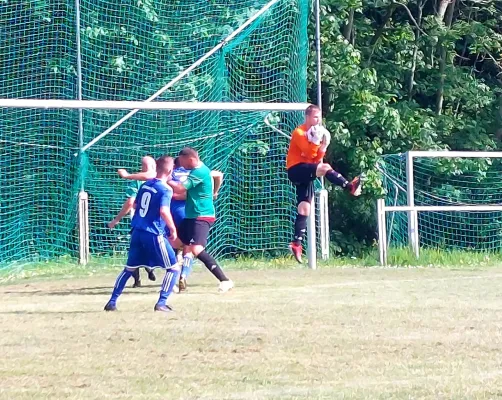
x,y
307,149
165,200
132,189
191,181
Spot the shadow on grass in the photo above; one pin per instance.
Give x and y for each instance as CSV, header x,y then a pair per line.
x,y
47,312
94,291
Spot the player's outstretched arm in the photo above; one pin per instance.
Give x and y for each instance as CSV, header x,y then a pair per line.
x,y
178,188
165,213
126,208
138,176
218,180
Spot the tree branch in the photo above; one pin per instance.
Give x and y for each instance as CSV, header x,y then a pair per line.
x,y
411,16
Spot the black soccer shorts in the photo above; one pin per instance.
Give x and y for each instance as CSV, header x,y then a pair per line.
x,y
194,231
303,176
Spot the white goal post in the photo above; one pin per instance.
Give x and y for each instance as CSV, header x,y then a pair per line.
x,y
170,106
412,210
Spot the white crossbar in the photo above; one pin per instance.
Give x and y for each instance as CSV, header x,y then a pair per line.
x,y
444,208
453,154
159,105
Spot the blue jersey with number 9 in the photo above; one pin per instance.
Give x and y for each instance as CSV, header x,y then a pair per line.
x,y
152,195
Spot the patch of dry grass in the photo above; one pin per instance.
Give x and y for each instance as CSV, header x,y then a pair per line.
x,y
327,334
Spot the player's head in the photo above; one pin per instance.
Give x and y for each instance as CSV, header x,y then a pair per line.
x,y
148,164
164,165
313,115
177,163
189,158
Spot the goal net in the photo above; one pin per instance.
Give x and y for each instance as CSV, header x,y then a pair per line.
x,y
245,51
442,200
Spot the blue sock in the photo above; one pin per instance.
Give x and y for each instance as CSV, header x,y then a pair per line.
x,y
187,266
120,285
168,283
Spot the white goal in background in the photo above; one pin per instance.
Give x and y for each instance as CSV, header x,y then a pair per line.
x,y
441,199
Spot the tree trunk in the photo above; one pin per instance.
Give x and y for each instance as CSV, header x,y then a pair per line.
x,y
347,29
442,59
443,5
381,28
411,81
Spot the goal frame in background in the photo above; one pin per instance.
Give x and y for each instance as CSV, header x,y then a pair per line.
x,y
83,206
412,210
151,104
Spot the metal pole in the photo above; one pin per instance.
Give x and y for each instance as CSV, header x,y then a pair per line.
x,y
311,228
83,204
323,203
412,215
318,51
311,236
382,231
79,80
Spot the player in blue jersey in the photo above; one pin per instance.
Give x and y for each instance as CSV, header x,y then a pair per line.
x,y
149,246
178,202
180,174
147,165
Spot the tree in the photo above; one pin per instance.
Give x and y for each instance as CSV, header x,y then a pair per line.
x,y
405,76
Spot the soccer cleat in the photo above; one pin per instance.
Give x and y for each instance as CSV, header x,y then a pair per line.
x,y
162,308
182,284
225,286
136,284
110,307
355,186
296,249
151,274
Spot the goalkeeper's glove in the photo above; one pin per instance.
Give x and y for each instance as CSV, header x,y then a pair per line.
x,y
320,136
326,140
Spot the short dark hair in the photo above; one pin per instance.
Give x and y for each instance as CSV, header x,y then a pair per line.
x,y
189,152
312,109
164,164
177,162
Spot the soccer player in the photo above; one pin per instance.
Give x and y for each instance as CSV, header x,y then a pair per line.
x,y
304,164
149,246
178,203
200,212
147,165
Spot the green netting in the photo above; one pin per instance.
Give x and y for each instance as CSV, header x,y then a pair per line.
x,y
446,182
131,49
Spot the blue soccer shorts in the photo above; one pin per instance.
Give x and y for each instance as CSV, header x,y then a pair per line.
x,y
178,213
150,250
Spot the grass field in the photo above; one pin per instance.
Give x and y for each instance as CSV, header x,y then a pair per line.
x,y
335,333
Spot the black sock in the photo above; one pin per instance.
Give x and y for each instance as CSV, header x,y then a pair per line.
x,y
135,275
300,228
336,178
212,265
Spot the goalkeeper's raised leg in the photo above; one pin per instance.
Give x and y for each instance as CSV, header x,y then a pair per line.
x,y
307,148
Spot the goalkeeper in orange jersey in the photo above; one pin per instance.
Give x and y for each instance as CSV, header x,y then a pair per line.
x,y
304,165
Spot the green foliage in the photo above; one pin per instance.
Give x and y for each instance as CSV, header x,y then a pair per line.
x,y
393,83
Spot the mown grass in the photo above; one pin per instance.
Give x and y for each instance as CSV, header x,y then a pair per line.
x,y
398,257
335,333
